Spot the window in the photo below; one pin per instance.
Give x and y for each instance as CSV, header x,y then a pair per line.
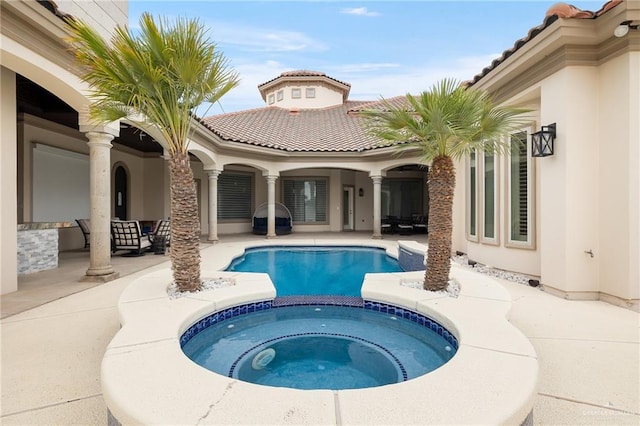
x,y
482,199
296,93
271,99
310,92
235,196
401,198
306,199
472,197
280,95
520,192
489,200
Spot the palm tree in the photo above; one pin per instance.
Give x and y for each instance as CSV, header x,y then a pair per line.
x,y
444,124
155,78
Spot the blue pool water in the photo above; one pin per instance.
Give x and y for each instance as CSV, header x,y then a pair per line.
x,y
312,270
319,347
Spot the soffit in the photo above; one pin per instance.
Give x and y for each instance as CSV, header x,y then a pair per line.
x,y
36,28
564,42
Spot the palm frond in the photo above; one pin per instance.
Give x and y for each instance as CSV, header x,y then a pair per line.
x,y
447,120
163,72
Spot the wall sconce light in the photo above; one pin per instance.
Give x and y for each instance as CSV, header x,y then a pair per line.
x,y
624,27
361,192
542,141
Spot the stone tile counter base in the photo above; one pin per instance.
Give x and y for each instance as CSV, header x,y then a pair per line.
x,y
37,250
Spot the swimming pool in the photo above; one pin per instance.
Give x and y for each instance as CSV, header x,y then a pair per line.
x,y
321,347
315,270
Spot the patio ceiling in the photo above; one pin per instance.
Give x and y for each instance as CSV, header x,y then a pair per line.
x,y
36,100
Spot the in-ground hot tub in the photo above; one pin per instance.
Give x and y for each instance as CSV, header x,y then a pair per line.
x,y
311,346
147,378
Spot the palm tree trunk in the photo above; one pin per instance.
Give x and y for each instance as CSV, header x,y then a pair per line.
x,y
185,224
442,181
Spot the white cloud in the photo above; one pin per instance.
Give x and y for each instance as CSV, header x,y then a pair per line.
x,y
260,39
359,11
364,67
400,80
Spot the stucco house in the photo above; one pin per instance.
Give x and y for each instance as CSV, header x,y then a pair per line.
x,y
572,218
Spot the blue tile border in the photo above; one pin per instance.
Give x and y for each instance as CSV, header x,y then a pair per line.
x,y
275,339
419,319
220,316
354,302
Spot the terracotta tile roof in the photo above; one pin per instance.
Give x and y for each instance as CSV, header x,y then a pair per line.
x,y
332,129
52,7
303,73
558,10
395,102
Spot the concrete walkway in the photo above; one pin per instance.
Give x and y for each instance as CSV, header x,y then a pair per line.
x,y
589,356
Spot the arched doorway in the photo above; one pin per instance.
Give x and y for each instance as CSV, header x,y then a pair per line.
x,y
120,198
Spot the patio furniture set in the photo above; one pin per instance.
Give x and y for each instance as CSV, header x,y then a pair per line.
x,y
130,236
416,224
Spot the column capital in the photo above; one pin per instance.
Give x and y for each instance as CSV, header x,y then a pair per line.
x,y
112,128
376,179
213,174
271,178
99,139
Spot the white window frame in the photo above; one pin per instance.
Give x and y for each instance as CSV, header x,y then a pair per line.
x,y
529,243
310,92
279,95
271,99
296,93
495,239
469,193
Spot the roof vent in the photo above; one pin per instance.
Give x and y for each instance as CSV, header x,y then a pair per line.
x,y
294,111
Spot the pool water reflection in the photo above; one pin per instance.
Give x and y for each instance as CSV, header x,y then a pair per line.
x,y
316,270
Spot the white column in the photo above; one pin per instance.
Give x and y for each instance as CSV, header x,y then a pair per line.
x,y
271,206
100,268
377,197
8,183
213,204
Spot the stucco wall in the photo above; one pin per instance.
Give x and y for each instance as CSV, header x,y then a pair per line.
x,y
156,171
364,204
569,203
8,182
103,15
618,186
324,96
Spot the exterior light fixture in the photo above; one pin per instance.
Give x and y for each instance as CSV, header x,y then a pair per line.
x,y
624,27
361,192
542,141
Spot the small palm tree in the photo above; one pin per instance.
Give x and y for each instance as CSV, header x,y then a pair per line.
x,y
444,124
155,78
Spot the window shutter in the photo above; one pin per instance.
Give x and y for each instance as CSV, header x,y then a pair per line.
x,y
306,199
235,196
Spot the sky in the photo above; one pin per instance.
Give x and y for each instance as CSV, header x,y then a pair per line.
x,y
382,48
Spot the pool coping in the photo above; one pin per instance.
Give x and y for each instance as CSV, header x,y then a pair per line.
x,y
147,379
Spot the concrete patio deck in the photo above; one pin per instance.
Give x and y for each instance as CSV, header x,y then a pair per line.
x,y
52,347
